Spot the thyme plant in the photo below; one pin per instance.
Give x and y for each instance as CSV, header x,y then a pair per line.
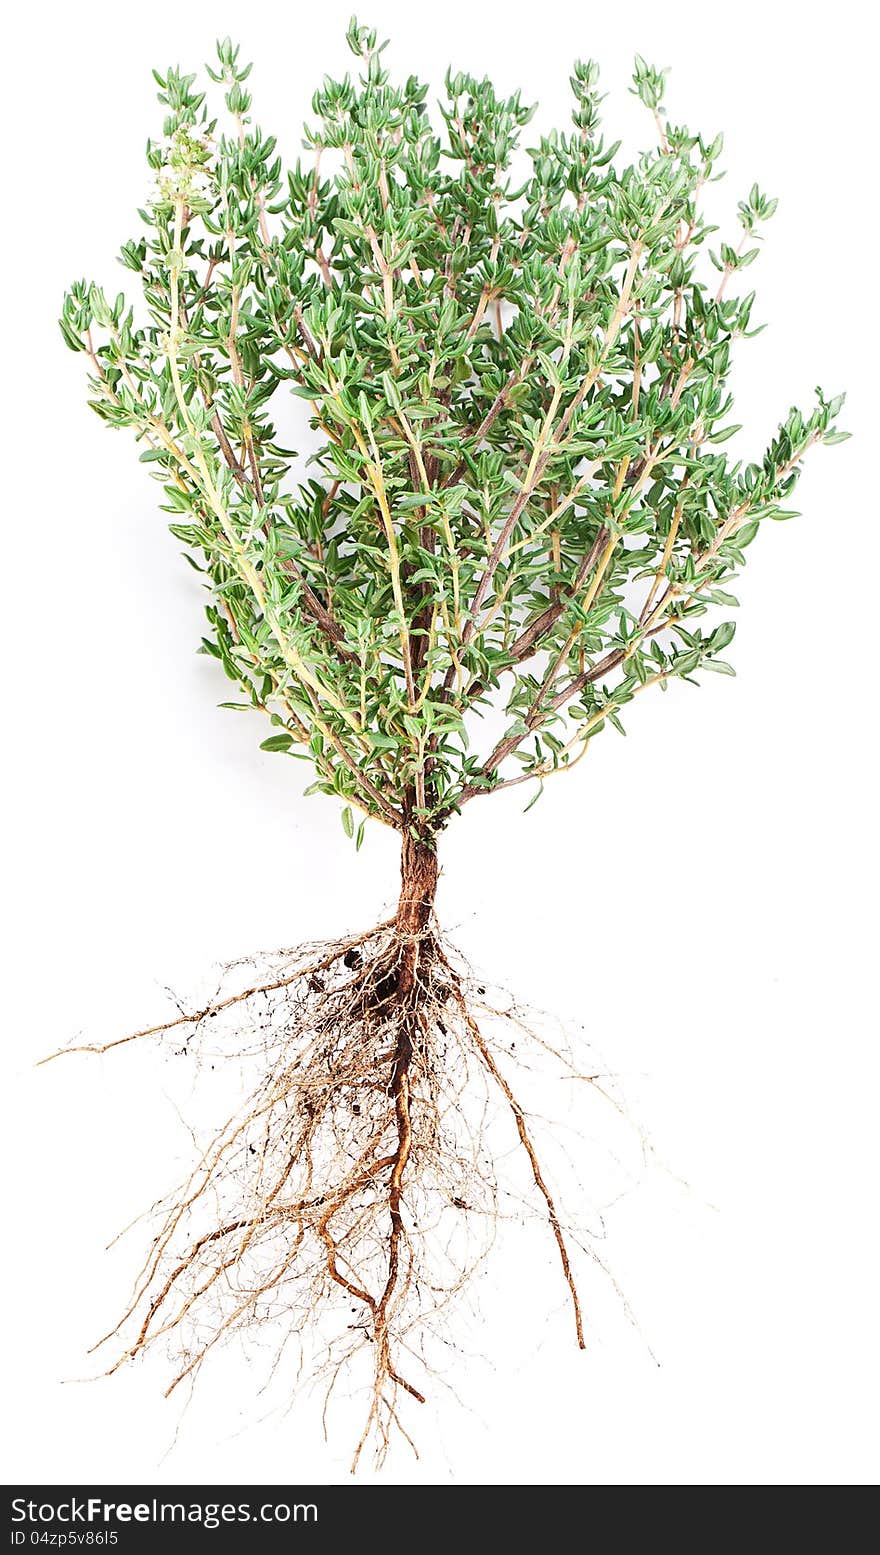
x,y
519,515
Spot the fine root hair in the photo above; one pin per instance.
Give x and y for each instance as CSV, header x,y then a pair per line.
x,y
354,1188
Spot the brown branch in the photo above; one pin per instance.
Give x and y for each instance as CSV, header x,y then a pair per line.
x,y
548,443
532,638
489,419
320,614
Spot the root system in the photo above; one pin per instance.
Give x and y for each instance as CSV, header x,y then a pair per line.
x,y
354,1177
356,1182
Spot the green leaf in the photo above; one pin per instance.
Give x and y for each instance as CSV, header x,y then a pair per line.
x,y
722,635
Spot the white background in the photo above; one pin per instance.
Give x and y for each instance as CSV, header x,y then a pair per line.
x,y
700,896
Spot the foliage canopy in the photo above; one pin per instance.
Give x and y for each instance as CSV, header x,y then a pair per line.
x,y
516,371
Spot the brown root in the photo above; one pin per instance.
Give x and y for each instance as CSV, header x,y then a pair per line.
x,y
353,1187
